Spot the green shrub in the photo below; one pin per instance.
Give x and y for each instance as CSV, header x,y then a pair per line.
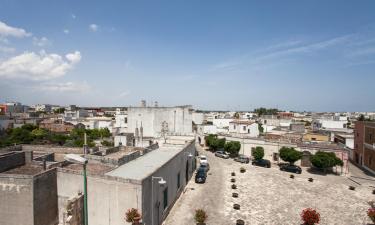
x,y
290,155
324,160
258,153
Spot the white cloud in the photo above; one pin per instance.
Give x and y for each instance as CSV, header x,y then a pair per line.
x,y
41,42
66,31
5,49
6,30
64,87
73,16
93,27
42,66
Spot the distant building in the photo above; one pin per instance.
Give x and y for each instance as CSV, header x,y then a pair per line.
x,y
178,119
316,137
43,108
57,126
364,145
297,127
244,127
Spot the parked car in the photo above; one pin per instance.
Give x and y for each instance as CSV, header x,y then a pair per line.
x,y
222,154
291,168
262,162
242,159
203,159
200,176
205,166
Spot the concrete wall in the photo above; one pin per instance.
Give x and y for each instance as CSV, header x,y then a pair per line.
x,y
108,198
152,197
16,200
45,198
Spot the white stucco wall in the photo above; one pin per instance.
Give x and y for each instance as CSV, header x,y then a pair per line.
x,y
179,120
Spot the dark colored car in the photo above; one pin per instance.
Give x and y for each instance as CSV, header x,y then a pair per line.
x,y
242,159
204,166
291,168
222,154
262,162
200,176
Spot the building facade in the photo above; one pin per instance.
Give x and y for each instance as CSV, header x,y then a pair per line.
x,y
364,145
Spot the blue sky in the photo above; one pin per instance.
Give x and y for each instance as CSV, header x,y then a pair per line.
x,y
228,55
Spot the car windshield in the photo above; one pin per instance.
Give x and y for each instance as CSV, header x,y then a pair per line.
x,y
203,157
204,165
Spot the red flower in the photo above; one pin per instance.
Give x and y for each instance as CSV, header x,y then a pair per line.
x,y
310,216
371,212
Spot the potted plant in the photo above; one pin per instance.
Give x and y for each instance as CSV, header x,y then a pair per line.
x,y
234,186
310,216
311,179
200,217
242,170
233,174
351,188
133,216
292,176
371,214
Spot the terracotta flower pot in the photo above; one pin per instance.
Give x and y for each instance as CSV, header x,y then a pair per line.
x,y
137,221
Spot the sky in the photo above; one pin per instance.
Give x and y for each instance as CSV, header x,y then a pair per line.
x,y
215,55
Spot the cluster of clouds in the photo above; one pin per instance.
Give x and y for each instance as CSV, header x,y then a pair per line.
x,y
38,67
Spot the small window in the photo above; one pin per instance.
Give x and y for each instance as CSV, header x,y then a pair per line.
x,y
244,128
178,180
165,198
234,127
370,136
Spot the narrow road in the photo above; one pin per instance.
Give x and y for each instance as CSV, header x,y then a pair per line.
x,y
208,196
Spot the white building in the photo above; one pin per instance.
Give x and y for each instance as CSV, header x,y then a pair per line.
x,y
222,123
43,108
244,127
178,120
121,121
198,118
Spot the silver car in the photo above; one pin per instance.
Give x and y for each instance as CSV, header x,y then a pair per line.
x,y
222,154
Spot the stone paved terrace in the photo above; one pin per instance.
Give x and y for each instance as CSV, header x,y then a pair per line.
x,y
271,197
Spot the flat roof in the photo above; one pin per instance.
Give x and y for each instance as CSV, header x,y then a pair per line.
x,y
147,164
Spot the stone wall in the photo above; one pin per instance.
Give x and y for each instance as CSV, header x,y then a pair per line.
x,y
74,209
16,199
11,160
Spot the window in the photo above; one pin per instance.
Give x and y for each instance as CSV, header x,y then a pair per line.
x,y
357,134
234,127
244,128
370,136
178,180
165,198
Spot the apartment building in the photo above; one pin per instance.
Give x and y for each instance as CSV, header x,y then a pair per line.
x,y
364,145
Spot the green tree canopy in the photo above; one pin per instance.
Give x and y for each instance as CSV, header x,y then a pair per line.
x,y
324,160
232,147
290,155
258,153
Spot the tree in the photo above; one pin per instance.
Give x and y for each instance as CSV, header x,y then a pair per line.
x,y
216,144
260,128
39,133
232,147
236,115
290,155
59,111
210,139
258,153
324,160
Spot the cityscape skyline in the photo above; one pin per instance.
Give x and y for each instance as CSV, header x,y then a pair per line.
x,y
216,55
